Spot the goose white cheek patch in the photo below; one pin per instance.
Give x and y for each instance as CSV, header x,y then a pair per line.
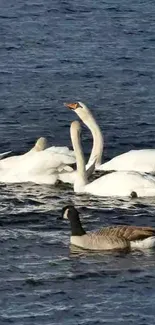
x,y
65,216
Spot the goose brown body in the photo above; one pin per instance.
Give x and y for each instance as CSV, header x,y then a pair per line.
x,y
103,241
130,233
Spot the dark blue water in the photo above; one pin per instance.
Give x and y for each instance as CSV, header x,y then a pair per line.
x,y
101,53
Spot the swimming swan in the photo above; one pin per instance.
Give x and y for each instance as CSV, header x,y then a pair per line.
x,y
113,184
11,162
39,165
108,238
134,160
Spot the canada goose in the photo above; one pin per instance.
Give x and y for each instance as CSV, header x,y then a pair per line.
x,y
142,160
113,184
108,238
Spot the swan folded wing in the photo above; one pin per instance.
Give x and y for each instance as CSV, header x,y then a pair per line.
x,y
19,175
39,167
9,162
61,150
107,242
37,161
122,184
130,233
44,160
135,160
65,168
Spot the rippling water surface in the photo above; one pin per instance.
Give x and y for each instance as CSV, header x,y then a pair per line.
x,y
101,53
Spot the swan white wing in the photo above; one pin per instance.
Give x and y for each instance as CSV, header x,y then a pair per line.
x,y
133,160
40,159
9,162
72,176
39,167
4,154
61,150
122,184
44,160
68,177
18,176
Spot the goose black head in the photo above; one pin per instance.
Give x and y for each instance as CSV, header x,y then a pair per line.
x,y
70,213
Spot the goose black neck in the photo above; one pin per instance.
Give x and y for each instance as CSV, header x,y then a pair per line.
x,y
75,222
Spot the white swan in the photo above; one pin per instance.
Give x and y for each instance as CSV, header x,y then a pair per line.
x,y
114,184
134,160
39,165
11,162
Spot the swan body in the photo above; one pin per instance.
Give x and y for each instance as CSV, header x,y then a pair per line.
x,y
113,184
68,176
11,162
61,150
108,238
39,165
122,184
134,160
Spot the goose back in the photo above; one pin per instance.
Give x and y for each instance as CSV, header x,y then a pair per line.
x,y
130,233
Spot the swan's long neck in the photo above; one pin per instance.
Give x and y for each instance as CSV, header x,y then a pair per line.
x,y
98,140
81,179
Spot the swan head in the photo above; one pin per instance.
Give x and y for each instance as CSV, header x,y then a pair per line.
x,y
41,144
87,118
80,108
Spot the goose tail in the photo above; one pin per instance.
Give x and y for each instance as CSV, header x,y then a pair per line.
x,y
143,244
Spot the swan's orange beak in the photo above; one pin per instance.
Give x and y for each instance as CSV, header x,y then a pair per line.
x,y
71,105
